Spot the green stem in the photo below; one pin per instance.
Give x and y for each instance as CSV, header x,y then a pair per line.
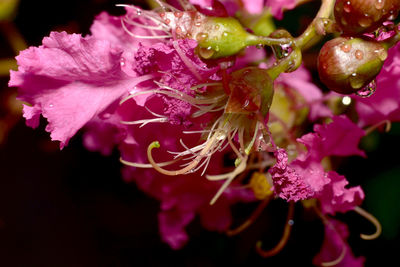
x,y
310,34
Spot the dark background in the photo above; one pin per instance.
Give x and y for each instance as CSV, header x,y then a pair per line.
x,y
71,207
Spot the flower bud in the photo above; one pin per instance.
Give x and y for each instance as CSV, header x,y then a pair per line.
x,y
359,16
251,91
221,37
346,65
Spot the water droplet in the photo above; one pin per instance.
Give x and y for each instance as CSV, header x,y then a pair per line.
x,y
345,48
138,12
178,30
221,136
206,52
347,7
225,34
201,36
246,103
281,51
359,54
259,46
379,4
197,24
178,14
356,81
216,27
290,222
382,54
51,105
365,22
368,90
122,62
167,21
106,116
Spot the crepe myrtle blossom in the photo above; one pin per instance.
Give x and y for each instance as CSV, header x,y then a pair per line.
x,y
201,119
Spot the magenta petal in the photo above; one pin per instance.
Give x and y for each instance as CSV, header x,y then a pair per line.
x,y
288,183
277,6
84,80
337,198
172,227
338,138
336,234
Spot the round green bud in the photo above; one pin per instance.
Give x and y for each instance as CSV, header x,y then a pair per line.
x,y
346,65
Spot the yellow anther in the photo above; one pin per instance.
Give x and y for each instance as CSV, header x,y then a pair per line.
x,y
260,186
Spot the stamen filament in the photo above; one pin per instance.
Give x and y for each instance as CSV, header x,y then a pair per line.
x,y
144,165
331,226
184,170
373,220
284,239
254,215
144,122
187,61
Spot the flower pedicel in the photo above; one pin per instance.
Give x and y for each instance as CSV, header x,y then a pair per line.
x,y
192,80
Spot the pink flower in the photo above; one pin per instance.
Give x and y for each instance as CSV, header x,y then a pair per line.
x,y
335,249
72,79
305,177
181,197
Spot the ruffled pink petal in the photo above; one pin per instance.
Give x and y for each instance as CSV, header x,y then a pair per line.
x,y
337,198
172,225
338,138
70,80
288,183
336,234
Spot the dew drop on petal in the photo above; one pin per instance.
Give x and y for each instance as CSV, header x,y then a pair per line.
x,y
51,106
368,90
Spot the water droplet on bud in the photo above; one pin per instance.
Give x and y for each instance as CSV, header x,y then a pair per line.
x,y
201,36
206,52
356,81
359,54
345,48
379,4
368,90
347,7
